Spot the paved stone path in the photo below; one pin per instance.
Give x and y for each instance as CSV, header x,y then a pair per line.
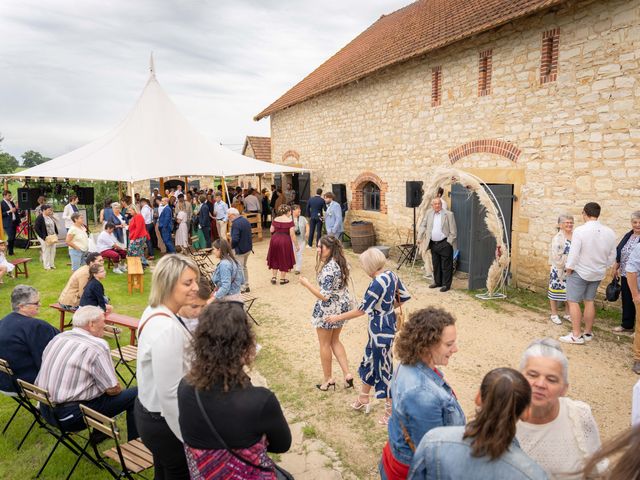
x,y
308,458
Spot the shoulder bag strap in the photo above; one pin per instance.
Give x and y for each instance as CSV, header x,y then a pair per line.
x,y
219,438
141,327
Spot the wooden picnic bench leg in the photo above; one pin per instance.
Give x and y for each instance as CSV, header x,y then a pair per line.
x,y
62,313
132,336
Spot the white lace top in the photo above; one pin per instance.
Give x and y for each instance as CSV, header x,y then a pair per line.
x,y
561,446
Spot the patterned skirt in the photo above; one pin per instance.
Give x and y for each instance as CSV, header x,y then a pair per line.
x,y
557,288
136,247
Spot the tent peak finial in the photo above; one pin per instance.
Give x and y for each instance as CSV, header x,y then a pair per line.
x,y
152,67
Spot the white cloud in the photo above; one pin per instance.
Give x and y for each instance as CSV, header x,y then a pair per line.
x,y
72,70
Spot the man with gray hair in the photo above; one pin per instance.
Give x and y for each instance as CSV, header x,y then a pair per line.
x,y
77,369
23,337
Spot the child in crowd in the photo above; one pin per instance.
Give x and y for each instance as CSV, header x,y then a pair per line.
x,y
5,265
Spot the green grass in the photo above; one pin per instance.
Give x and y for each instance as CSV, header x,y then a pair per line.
x,y
26,462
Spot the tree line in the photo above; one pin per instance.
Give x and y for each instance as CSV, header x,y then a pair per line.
x,y
30,158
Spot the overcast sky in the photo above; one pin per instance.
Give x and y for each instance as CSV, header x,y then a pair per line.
x,y
71,70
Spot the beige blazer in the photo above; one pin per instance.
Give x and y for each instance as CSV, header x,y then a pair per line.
x,y
448,227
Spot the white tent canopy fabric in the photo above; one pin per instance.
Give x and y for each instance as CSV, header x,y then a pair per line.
x,y
153,141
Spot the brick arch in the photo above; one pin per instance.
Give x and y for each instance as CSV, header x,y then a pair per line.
x,y
494,146
357,200
290,153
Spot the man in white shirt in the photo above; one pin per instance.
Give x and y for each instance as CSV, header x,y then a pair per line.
x,y
220,213
251,202
147,213
592,252
439,226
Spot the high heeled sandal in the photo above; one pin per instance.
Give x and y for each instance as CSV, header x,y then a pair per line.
x,y
388,410
284,281
358,405
325,386
348,383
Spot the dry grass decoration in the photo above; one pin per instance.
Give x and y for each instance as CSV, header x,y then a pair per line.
x,y
443,178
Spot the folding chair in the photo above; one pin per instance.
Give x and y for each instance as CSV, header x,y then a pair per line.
x,y
133,457
41,395
19,398
123,355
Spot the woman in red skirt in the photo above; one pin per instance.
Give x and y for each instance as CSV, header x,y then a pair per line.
x,y
281,257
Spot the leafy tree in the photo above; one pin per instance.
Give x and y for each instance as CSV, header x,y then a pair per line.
x,y
8,163
31,159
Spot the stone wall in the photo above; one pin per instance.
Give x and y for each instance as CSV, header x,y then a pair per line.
x,y
577,134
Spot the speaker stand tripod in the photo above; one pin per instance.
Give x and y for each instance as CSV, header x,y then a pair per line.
x,y
409,251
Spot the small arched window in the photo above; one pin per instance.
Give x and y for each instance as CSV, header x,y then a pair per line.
x,y
371,197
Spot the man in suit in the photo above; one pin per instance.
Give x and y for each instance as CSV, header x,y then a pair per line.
x,y
204,220
315,207
439,227
10,219
165,225
333,217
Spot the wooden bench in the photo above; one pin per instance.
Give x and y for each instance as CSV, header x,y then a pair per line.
x,y
255,219
63,311
135,274
248,300
22,267
124,321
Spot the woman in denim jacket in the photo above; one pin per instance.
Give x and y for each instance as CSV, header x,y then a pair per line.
x,y
422,399
487,446
228,276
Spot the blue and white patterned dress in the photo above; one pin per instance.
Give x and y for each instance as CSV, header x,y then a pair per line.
x,y
330,282
557,282
376,367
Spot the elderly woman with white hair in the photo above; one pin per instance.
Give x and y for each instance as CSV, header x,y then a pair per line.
x,y
559,433
384,293
163,341
558,253
623,252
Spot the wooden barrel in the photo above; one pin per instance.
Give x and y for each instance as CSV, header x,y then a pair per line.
x,y
362,236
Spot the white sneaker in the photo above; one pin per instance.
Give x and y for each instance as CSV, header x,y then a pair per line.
x,y
555,319
567,318
569,338
118,271
587,336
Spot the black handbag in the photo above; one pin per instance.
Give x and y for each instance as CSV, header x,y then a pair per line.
x,y
281,473
613,290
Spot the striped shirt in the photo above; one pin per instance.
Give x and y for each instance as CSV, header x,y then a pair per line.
x,y
76,366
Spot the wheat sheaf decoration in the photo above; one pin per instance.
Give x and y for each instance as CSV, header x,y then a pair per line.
x,y
492,218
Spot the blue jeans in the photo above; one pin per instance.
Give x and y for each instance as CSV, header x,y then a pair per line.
x,y
78,258
110,405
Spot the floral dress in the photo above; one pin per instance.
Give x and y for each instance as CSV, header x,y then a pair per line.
x,y
330,282
376,367
557,282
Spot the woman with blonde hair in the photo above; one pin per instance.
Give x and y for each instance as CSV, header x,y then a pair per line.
x,y
558,253
333,299
163,340
283,243
383,294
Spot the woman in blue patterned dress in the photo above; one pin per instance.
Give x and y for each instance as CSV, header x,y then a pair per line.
x,y
383,293
333,299
558,254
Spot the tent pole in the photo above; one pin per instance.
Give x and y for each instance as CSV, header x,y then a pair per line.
x,y
225,191
161,187
186,184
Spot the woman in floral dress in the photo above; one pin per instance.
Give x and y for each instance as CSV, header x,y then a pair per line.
x,y
333,299
558,254
384,293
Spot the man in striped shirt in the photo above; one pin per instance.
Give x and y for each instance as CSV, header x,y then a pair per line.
x,y
77,368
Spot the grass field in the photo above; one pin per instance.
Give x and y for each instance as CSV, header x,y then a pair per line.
x,y
26,462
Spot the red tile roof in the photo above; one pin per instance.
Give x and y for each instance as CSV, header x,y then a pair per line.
x,y
414,30
261,147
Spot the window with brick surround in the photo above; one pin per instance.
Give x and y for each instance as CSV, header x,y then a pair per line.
x,y
549,57
436,86
371,197
484,73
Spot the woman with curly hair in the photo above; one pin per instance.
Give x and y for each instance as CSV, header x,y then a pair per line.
x,y
422,399
283,243
333,299
384,293
487,446
228,425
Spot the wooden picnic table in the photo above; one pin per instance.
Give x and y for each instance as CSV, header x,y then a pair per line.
x,y
111,318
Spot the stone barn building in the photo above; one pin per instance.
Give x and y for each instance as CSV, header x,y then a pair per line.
x,y
540,98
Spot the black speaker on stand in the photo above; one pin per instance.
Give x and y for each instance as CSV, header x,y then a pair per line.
x,y
85,195
409,251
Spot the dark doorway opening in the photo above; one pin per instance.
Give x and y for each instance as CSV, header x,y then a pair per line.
x,y
476,245
301,183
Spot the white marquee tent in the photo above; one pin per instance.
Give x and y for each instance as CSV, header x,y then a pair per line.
x,y
153,141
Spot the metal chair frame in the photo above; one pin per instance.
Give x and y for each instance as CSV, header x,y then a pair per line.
x,y
20,399
41,395
120,360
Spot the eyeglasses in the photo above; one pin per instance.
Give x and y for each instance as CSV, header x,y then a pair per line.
x,y
33,303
